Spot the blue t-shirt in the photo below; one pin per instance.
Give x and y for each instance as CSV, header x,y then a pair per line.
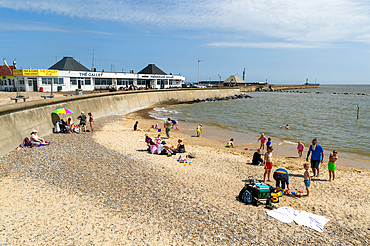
x,y
268,144
316,154
283,171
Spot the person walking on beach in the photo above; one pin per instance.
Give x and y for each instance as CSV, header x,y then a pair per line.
x,y
332,165
167,125
199,130
300,148
268,164
263,141
316,157
91,120
135,126
307,179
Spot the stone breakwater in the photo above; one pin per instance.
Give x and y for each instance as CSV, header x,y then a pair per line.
x,y
138,203
214,99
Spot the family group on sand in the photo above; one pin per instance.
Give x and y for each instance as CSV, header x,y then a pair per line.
x,y
281,175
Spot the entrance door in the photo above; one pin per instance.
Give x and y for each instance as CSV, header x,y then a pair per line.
x,y
34,84
79,82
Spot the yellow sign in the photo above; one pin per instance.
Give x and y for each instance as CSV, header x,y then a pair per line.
x,y
18,72
36,72
48,73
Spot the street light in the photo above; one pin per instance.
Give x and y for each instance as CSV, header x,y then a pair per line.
x,y
198,69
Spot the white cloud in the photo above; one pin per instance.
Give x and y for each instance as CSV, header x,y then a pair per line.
x,y
299,23
270,45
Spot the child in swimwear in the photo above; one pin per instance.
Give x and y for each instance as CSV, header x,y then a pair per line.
x,y
268,143
307,178
268,164
230,144
91,120
199,130
263,141
300,149
332,165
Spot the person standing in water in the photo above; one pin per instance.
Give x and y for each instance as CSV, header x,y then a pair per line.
x,y
317,157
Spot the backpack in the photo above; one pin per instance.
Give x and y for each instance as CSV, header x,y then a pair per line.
x,y
191,155
27,142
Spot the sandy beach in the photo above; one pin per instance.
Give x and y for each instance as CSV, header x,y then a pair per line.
x,y
106,189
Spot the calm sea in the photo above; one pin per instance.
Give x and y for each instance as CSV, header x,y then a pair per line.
x,y
319,112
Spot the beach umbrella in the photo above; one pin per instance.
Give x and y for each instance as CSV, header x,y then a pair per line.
x,y
63,111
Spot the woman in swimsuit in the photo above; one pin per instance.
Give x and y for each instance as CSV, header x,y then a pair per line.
x,y
91,120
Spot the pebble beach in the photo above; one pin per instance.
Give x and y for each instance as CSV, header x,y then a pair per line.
x,y
106,189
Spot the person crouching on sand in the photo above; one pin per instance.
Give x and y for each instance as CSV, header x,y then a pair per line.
x,y
268,164
199,130
332,165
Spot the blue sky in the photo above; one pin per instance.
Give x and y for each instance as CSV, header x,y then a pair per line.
x,y
285,41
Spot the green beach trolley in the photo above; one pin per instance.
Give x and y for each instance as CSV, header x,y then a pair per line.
x,y
254,191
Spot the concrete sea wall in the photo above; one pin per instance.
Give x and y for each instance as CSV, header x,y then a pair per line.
x,y
19,119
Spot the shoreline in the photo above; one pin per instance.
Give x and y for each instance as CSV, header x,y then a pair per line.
x,y
249,140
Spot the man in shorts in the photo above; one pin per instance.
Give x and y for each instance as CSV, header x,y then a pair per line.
x,y
316,157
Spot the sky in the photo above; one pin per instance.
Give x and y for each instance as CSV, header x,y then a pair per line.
x,y
284,41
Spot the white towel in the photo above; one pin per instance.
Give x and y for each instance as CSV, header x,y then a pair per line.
x,y
288,215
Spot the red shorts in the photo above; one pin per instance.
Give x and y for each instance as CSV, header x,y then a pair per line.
x,y
268,165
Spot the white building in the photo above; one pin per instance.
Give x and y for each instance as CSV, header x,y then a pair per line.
x,y
69,75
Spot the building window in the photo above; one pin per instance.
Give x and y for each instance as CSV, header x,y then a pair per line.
x,y
87,81
141,82
103,81
73,81
21,81
60,81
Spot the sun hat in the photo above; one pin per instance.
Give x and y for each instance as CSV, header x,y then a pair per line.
x,y
82,112
34,131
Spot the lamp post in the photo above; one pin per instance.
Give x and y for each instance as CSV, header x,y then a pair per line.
x,y
198,69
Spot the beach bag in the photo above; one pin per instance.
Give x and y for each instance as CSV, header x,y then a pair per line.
x,y
153,148
27,142
191,155
245,196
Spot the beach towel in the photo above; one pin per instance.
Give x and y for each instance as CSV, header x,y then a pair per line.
x,y
302,218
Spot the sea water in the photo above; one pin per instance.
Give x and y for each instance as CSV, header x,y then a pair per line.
x,y
328,113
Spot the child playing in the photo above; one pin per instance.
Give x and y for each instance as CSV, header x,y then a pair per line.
x,y
268,164
91,120
307,178
332,165
300,149
230,144
199,130
268,143
263,140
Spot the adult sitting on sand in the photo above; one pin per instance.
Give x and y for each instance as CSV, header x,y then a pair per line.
x,y
180,147
316,157
257,159
69,125
281,176
36,140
